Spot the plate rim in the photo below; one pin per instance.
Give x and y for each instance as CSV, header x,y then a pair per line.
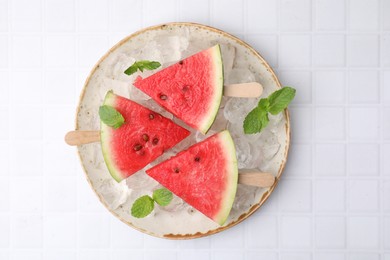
x,y
266,194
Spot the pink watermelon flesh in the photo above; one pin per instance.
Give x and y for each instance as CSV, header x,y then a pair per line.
x,y
205,176
143,137
190,89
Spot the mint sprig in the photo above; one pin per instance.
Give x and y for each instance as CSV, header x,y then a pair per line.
x,y
144,205
258,119
111,117
142,65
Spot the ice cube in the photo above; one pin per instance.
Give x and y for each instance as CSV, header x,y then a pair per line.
x,y
243,153
245,196
136,94
115,194
219,123
228,55
141,181
117,66
237,75
236,109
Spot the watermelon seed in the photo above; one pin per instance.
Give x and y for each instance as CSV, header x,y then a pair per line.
x,y
145,137
177,170
163,97
185,88
181,62
155,141
197,159
151,116
137,147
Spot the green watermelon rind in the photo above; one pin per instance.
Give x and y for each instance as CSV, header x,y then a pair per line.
x,y
231,187
105,140
217,98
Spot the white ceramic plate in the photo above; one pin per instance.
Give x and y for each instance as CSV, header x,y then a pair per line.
x,y
169,43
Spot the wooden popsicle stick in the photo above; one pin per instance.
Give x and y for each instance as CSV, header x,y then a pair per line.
x,y
259,179
82,137
245,90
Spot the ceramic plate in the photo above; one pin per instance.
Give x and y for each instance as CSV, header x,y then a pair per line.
x,y
169,43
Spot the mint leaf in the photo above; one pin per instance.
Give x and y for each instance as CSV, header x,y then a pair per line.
x,y
256,121
110,116
280,99
142,207
142,65
162,196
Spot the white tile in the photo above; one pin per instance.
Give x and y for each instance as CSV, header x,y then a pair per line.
x,y
5,230
363,159
363,195
4,255
26,15
201,243
26,254
26,194
121,11
4,158
34,120
60,194
195,11
368,129
295,51
385,50
87,200
386,231
31,152
330,232
295,256
386,257
91,48
96,254
330,8
386,87
256,255
3,15
296,195
26,231
363,50
53,157
386,163
262,15
4,194
59,92
50,254
26,87
60,52
193,255
58,121
4,86
152,12
5,120
296,232
262,232
330,159
363,232
232,9
299,160
231,238
329,87
327,256
328,50
386,123
23,57
93,15
301,81
156,243
60,231
123,236
363,8
60,16
267,46
385,18
4,51
125,254
94,230
329,195
386,196
363,256
330,123
161,255
363,86
295,15
301,123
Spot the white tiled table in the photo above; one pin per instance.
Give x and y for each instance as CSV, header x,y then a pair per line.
x,y
334,199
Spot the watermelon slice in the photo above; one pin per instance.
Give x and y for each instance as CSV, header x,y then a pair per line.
x,y
190,89
205,176
143,137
